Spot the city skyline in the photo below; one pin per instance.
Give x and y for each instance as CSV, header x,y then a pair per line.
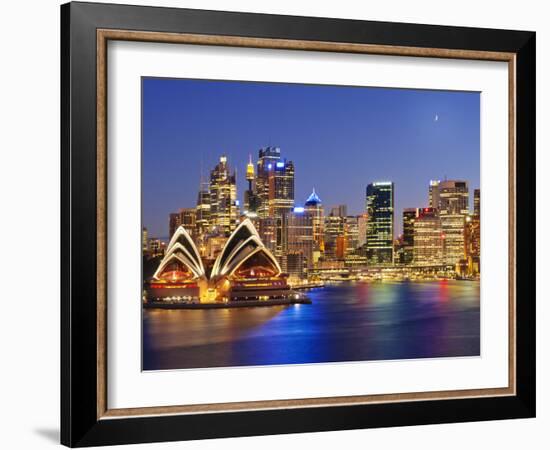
x,y
170,132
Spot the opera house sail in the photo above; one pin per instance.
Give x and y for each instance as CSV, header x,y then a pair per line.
x,y
244,270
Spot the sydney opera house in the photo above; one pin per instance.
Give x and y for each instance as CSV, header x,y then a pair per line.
x,y
244,270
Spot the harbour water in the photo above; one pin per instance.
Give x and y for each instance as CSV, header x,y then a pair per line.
x,y
351,321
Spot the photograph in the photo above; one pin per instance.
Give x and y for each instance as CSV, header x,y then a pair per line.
x,y
297,223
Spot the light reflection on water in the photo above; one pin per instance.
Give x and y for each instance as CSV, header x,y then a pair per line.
x,y
346,322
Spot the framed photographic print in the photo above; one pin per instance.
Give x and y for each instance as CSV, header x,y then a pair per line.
x,y
277,224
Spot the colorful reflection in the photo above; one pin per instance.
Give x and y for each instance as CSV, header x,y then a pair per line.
x,y
345,322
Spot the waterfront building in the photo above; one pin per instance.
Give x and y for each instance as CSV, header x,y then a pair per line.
x,y
380,210
472,244
409,216
314,208
452,227
246,270
428,238
223,197
296,266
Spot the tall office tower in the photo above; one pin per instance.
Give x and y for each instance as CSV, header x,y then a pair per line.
x,y
409,216
281,188
251,201
452,227
428,238
335,224
173,223
144,237
433,201
477,202
274,183
267,158
452,197
362,230
299,229
453,201
352,233
314,208
202,209
380,201
223,197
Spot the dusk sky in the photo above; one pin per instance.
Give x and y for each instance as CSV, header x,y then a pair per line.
x,y
339,138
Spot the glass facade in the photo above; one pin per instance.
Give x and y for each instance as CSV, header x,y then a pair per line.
x,y
380,206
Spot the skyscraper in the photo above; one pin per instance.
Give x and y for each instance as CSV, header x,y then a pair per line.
x,y
335,227
251,201
452,227
299,228
409,216
267,158
281,188
477,202
202,221
428,238
452,202
433,200
223,197
450,197
314,208
380,204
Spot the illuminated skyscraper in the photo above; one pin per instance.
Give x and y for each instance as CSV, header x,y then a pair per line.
x,y
452,227
299,229
335,227
251,201
362,230
281,188
477,202
223,197
352,233
203,210
450,197
380,204
428,238
267,158
433,201
409,216
274,183
314,208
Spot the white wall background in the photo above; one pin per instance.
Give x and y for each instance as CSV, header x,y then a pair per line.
x,y
29,225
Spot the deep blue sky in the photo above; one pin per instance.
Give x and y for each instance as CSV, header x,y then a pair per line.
x,y
340,139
